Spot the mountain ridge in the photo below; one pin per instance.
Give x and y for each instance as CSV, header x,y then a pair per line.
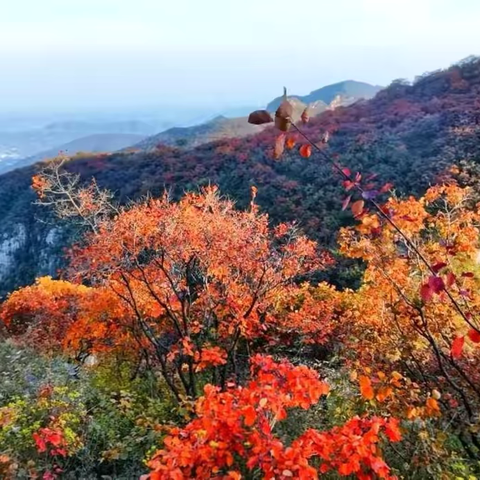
x,y
221,127
350,90
408,134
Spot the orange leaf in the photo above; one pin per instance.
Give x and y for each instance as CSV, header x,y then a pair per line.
x,y
305,150
384,393
279,145
457,347
357,207
235,475
290,143
412,412
432,405
366,389
474,336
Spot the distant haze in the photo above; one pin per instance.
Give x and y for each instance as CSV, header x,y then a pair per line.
x,y
95,54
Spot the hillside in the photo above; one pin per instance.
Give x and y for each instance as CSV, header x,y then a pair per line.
x,y
331,96
102,142
188,137
407,135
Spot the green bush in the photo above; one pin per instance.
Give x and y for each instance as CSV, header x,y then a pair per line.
x,y
57,422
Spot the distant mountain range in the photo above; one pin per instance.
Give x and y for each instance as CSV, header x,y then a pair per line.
x,y
101,142
19,148
329,97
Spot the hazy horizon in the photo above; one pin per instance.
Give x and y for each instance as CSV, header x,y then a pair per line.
x,y
94,55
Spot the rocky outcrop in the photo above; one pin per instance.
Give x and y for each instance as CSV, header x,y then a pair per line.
x,y
29,250
10,244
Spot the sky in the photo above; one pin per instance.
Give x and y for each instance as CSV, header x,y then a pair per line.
x,y
226,53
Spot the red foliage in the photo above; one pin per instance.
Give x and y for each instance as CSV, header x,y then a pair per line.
x,y
233,432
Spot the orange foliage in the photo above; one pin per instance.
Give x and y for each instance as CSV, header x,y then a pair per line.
x,y
416,319
55,315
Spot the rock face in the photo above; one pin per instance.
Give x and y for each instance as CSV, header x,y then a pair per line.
x,y
31,241
27,253
10,244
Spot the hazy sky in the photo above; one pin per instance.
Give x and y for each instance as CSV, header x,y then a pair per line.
x,y
101,53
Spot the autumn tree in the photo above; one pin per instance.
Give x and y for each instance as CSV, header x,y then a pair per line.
x,y
64,193
56,316
416,313
203,283
199,285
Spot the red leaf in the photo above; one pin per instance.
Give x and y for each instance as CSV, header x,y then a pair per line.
x,y
39,442
438,266
346,171
386,187
346,202
468,274
392,430
305,150
451,278
348,185
436,284
357,208
279,145
55,439
358,177
474,336
426,293
250,416
457,347
387,211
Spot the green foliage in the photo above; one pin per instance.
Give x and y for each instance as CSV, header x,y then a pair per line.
x,y
109,421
